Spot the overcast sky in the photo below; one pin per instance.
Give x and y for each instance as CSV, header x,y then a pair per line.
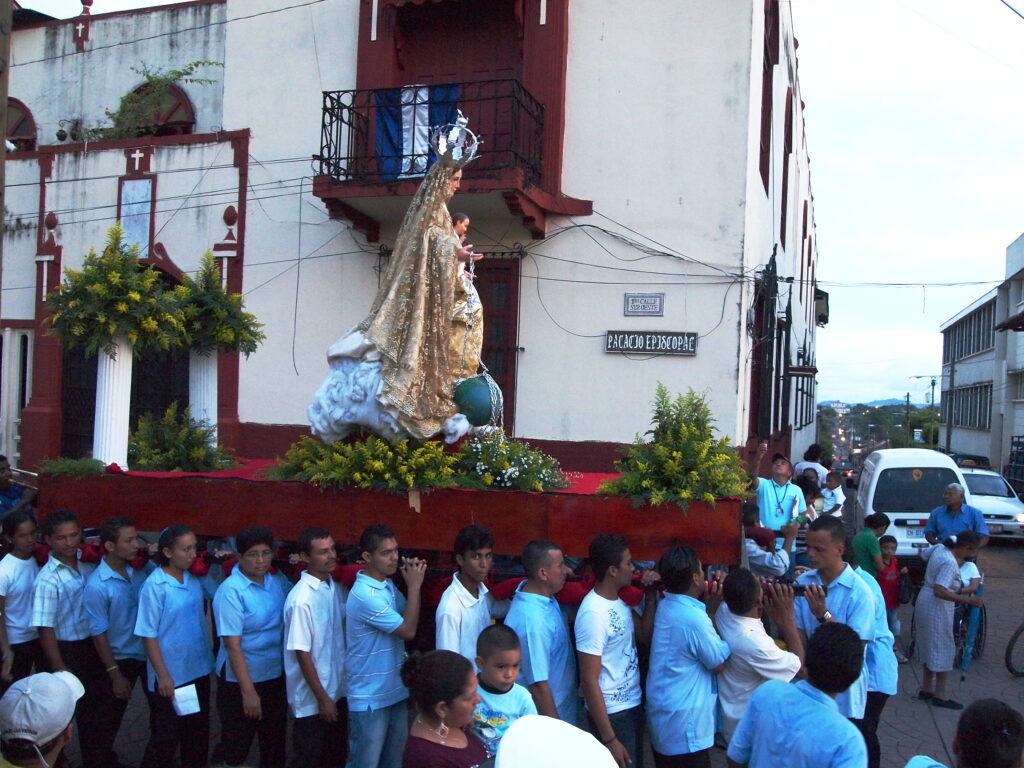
x,y
914,121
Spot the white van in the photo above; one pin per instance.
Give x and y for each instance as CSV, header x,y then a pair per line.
x,y
906,484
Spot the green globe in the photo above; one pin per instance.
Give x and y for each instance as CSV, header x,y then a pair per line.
x,y
479,399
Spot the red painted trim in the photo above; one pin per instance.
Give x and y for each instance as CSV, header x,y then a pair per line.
x,y
26,325
545,52
42,418
128,12
545,64
531,203
144,141
228,431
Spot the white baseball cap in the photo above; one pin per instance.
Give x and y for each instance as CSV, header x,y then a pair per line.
x,y
38,708
543,742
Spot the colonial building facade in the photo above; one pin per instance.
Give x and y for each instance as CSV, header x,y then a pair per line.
x,y
643,199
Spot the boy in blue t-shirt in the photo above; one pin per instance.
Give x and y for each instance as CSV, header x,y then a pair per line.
x,y
502,701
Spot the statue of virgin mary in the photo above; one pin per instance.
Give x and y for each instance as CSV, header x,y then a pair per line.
x,y
394,373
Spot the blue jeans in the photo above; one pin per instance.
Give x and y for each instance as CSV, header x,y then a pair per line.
x,y
376,738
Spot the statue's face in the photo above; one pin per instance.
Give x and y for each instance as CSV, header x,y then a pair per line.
x,y
456,181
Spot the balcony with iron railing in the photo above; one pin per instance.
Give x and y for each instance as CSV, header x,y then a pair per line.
x,y
374,150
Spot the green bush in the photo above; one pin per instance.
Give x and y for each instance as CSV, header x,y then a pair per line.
x,y
176,443
682,461
112,293
72,467
374,463
490,462
215,319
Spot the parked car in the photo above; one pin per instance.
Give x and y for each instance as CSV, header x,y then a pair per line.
x,y
998,502
972,460
906,484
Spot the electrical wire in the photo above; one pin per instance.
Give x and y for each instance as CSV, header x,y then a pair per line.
x,y
160,34
1012,8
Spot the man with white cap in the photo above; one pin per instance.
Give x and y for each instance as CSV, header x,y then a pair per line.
x,y
36,717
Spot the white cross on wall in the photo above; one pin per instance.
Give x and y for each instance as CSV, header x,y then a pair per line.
x,y
80,29
137,156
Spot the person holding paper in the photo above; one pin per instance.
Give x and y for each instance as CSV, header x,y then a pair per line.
x,y
172,626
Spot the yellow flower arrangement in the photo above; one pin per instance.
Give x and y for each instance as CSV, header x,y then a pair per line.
x,y
112,293
682,462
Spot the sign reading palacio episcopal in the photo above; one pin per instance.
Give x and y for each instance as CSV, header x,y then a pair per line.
x,y
652,342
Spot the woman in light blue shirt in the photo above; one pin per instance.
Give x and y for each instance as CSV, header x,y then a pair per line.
x,y
172,626
251,698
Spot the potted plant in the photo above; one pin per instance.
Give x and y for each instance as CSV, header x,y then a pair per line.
x,y
114,307
215,321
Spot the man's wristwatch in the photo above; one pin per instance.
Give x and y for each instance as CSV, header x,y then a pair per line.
x,y
825,618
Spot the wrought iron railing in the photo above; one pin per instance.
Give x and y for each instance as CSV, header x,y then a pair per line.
x,y
381,134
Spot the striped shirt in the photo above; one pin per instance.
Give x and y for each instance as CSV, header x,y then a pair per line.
x,y
375,654
58,600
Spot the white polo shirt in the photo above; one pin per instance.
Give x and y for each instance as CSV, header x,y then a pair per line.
x,y
17,584
753,658
314,621
461,617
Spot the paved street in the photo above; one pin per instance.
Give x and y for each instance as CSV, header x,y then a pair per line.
x,y
909,727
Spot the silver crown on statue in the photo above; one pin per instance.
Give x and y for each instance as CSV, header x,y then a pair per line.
x,y
454,144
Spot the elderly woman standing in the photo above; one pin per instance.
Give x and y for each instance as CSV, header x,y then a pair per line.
x,y
955,516
933,615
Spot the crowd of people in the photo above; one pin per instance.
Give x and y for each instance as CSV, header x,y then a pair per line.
x,y
672,655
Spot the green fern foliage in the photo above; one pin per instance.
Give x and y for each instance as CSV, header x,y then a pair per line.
x,y
374,464
113,293
176,443
72,467
214,318
679,460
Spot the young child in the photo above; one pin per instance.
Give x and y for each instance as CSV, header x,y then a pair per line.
x,y
889,580
502,700
833,494
970,577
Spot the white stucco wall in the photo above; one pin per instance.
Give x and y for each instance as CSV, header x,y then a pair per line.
x,y
661,132
308,278
17,298
57,83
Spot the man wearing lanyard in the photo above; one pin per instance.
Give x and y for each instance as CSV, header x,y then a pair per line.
x,y
777,497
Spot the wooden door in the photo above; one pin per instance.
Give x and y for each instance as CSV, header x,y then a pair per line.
x,y
497,282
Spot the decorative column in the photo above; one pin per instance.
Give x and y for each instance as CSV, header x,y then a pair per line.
x,y
202,387
113,401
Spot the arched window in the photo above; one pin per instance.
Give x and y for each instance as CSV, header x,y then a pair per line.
x,y
21,128
174,115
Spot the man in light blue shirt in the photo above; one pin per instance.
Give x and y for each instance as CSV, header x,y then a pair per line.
x,y
790,725
112,604
778,500
954,516
849,601
883,671
548,666
685,653
379,620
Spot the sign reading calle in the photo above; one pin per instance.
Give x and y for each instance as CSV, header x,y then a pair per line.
x,y
643,304
652,342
